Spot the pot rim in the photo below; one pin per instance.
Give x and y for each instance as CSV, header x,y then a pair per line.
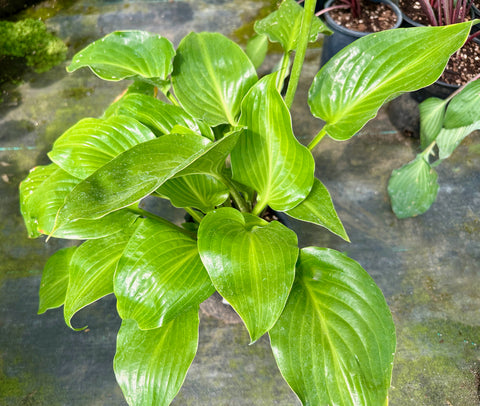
x,y
358,34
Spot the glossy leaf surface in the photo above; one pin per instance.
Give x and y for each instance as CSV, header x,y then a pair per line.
x,y
318,208
251,263
268,158
413,188
335,340
284,25
130,176
256,49
55,276
127,54
211,76
159,276
432,113
449,139
354,84
39,213
91,143
91,272
150,366
157,115
463,110
202,192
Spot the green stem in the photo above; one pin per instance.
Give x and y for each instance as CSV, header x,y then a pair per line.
x,y
425,154
172,98
258,209
301,50
195,215
317,139
236,196
283,71
161,220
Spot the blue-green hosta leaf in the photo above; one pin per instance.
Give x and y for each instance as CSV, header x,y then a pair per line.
x,y
151,365
449,139
157,115
432,113
211,76
251,263
256,49
354,84
159,276
128,55
413,188
53,286
91,143
335,340
202,192
284,25
43,192
268,158
92,268
463,110
318,208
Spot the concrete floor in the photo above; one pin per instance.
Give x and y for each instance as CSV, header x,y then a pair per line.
x,y
427,266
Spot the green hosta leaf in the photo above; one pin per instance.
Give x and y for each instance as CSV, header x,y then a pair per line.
x,y
43,192
251,263
284,25
449,139
157,115
354,84
335,340
268,158
128,55
92,268
211,76
413,188
202,192
53,286
159,276
256,49
130,176
432,113
91,143
318,208
463,109
150,366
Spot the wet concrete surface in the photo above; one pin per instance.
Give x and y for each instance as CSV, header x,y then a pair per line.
x,y
426,266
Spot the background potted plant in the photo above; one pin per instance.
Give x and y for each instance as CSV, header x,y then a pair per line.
x,y
352,19
219,143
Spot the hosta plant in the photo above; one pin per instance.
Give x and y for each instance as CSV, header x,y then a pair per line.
x,y
199,128
444,123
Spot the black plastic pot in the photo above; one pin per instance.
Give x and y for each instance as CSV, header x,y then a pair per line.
x,y
342,36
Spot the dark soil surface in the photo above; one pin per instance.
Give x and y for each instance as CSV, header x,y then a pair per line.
x,y
374,17
412,9
463,65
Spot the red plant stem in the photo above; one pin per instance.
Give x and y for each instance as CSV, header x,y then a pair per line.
x,y
326,10
427,9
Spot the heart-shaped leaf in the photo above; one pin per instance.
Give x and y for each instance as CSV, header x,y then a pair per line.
x,y
92,267
267,157
159,276
157,115
91,143
354,84
463,109
284,25
39,213
150,366
432,113
211,76
449,139
334,342
53,286
413,188
318,208
128,55
251,263
202,192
